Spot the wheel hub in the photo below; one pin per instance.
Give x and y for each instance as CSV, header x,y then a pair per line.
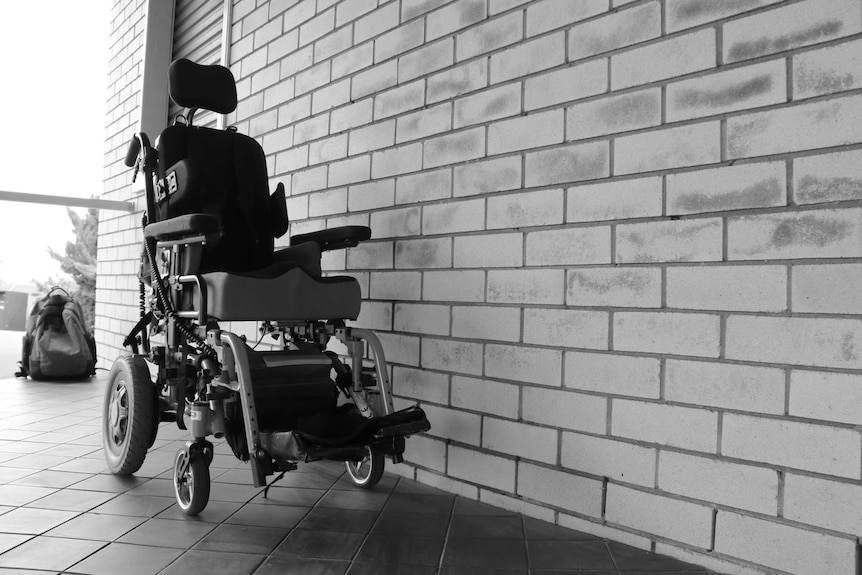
x,y
118,413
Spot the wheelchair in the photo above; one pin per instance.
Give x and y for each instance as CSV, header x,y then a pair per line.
x,y
318,390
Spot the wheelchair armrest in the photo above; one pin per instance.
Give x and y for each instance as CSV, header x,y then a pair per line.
x,y
334,238
188,225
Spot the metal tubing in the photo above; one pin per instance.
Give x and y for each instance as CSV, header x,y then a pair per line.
x,y
243,374
67,201
379,364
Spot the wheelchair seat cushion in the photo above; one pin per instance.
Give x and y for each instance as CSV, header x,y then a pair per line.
x,y
280,292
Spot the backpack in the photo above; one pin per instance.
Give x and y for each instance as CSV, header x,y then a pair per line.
x,y
56,344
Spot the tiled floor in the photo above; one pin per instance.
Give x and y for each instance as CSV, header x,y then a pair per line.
x,y
62,512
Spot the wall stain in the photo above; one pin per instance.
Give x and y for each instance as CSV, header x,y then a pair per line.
x,y
494,181
754,48
629,109
761,194
570,165
841,188
497,105
848,348
422,255
810,230
695,9
421,8
738,134
724,96
813,81
472,12
628,279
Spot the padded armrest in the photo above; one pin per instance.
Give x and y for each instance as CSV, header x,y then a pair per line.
x,y
334,238
182,227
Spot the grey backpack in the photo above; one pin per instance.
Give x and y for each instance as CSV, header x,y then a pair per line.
x,y
57,345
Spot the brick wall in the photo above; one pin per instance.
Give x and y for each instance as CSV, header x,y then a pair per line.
x,y
119,233
617,249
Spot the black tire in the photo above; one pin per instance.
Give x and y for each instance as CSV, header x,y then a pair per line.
x,y
191,482
128,413
367,472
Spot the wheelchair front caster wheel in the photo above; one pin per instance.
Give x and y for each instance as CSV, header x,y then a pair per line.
x,y
366,472
191,482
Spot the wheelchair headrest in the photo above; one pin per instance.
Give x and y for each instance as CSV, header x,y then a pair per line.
x,y
194,85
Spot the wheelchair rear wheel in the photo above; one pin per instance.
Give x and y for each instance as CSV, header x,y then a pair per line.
x,y
368,471
128,413
191,482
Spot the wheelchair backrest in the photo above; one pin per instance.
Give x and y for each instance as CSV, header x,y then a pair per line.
x,y
217,172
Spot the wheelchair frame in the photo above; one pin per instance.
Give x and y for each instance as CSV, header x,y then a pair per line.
x,y
201,369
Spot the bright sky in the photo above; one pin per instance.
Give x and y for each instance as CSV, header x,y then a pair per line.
x,y
53,78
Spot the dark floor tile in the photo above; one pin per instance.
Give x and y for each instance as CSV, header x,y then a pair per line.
x,y
127,559
135,505
474,570
490,553
487,527
283,516
72,500
350,520
413,524
242,539
629,559
362,500
168,533
83,465
296,496
279,565
544,531
47,478
154,487
37,461
235,493
386,485
572,555
26,520
401,550
321,545
378,569
63,553
236,476
407,487
469,507
214,563
440,504
110,483
571,572
304,480
692,571
96,527
215,512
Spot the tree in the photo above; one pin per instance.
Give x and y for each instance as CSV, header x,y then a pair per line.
x,y
80,262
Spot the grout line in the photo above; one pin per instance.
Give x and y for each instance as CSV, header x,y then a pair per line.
x,y
373,525
446,537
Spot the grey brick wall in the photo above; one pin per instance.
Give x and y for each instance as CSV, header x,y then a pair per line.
x,y
616,250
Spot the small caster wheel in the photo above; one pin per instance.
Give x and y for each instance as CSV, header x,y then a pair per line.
x,y
366,472
191,481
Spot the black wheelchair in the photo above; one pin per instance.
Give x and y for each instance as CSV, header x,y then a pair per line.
x,y
319,389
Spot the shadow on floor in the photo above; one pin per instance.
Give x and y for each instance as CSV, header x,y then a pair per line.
x,y
62,512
